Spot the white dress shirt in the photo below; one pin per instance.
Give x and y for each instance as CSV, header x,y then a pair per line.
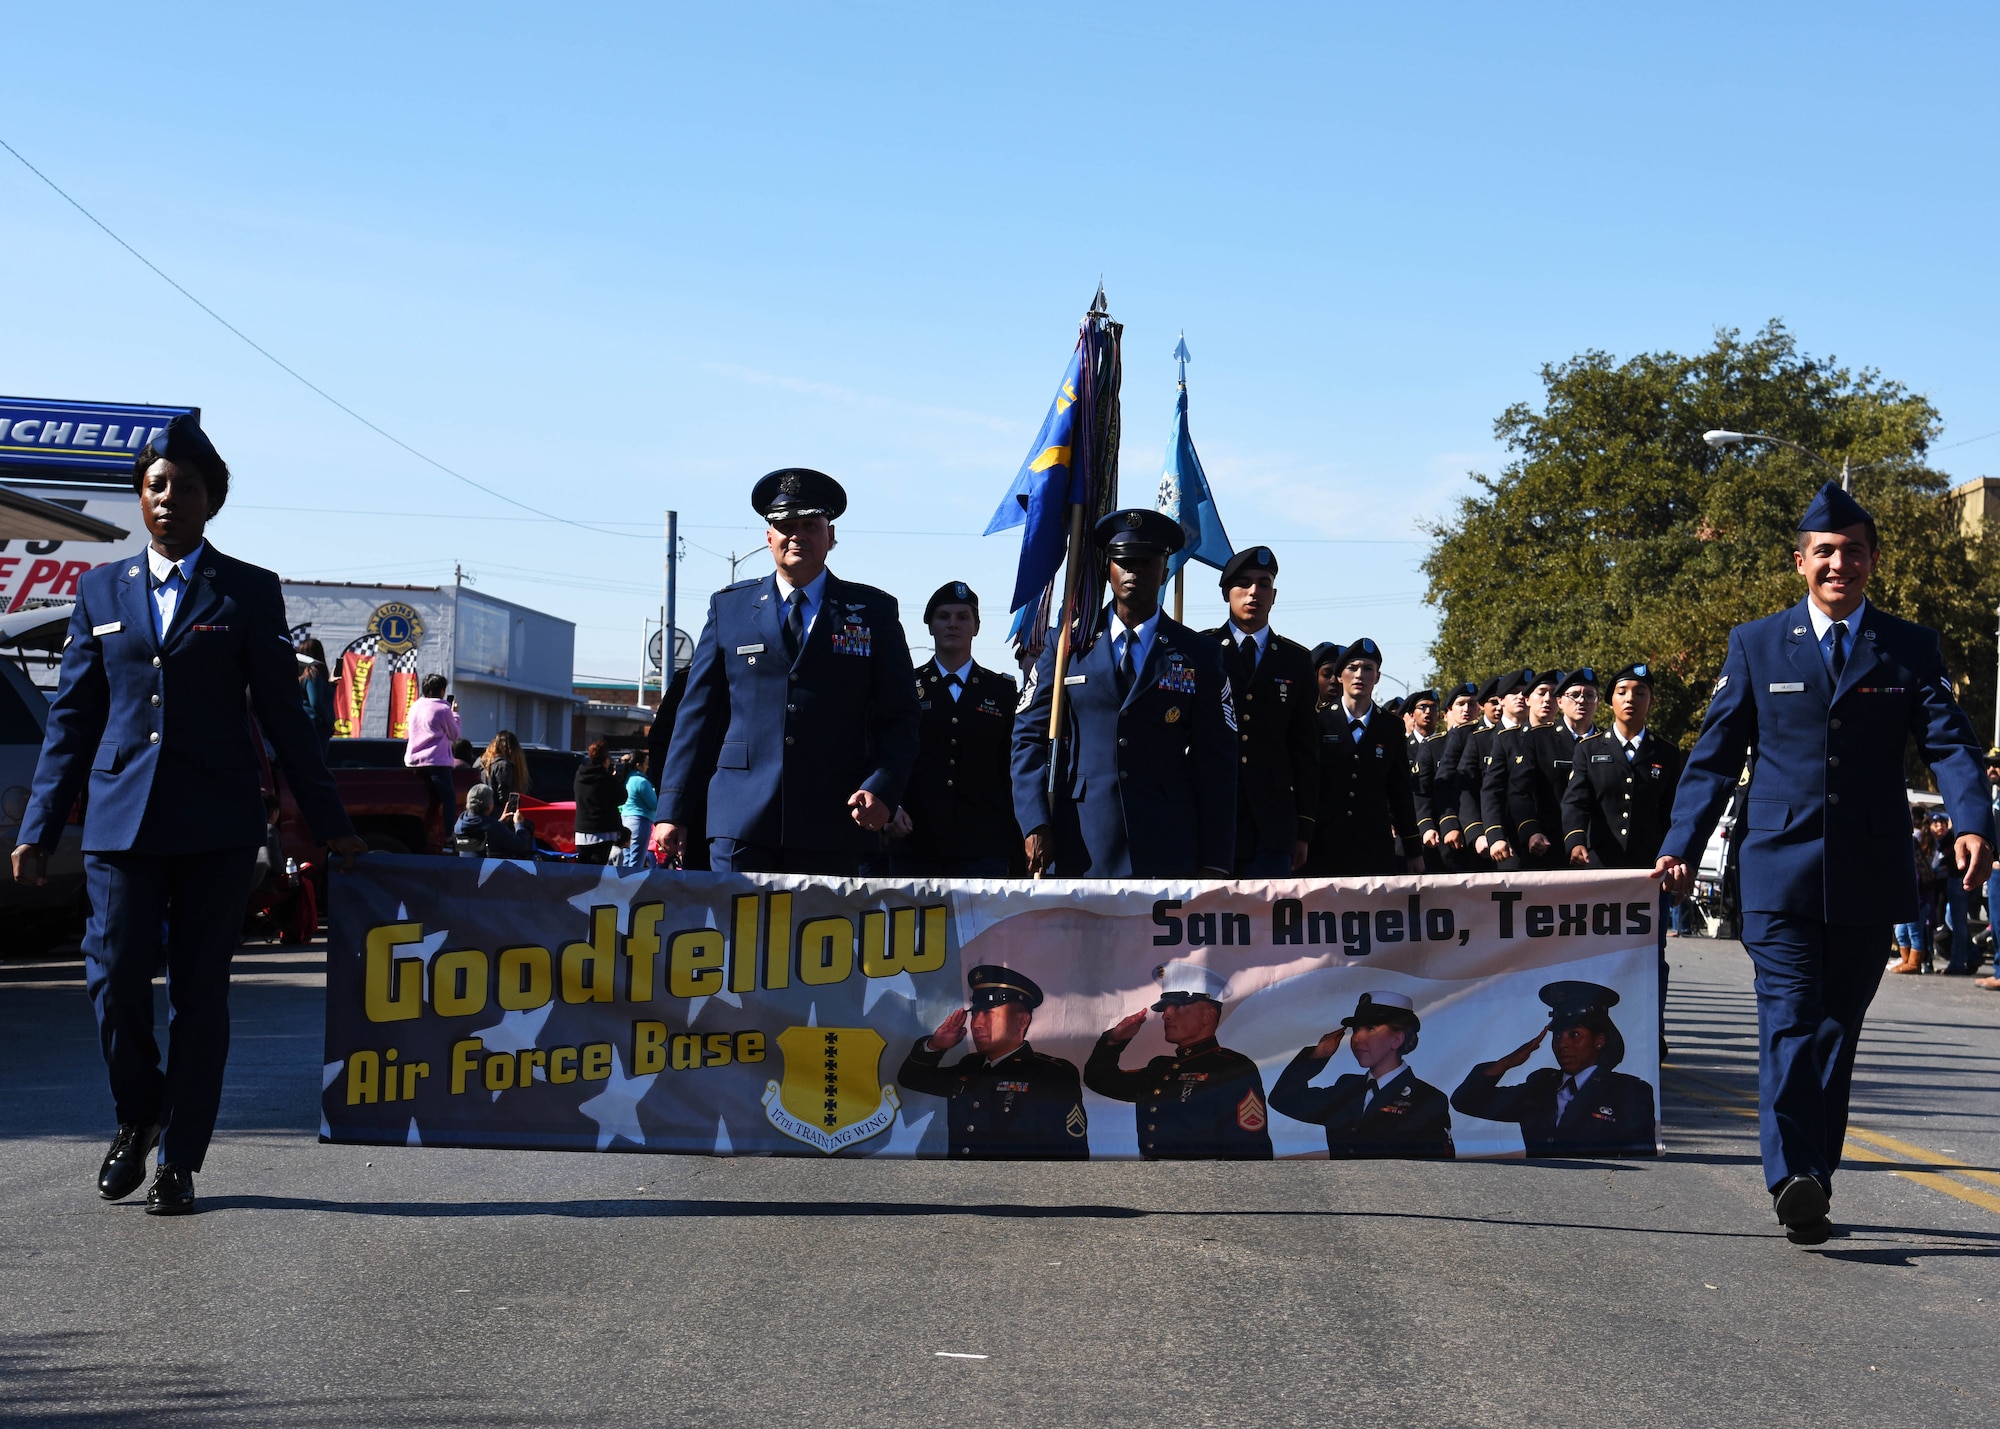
x,y
1140,637
1564,1096
170,580
1262,638
964,673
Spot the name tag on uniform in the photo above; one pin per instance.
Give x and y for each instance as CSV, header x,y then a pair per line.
x,y
1074,679
750,649
112,629
1792,688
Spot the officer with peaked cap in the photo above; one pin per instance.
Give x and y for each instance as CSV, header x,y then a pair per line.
x,y
1828,694
800,717
1274,690
1580,1106
957,818
1382,1110
1147,786
1539,771
168,654
1204,1102
1523,695
1005,1101
1366,805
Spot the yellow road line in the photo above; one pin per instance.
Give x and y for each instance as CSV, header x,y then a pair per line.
x,y
1933,1180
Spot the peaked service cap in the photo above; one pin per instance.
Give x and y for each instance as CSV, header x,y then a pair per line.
x,y
794,491
1182,982
993,985
1136,532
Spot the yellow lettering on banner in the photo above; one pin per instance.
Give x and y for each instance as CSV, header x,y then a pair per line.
x,y
642,946
525,1062
392,987
826,951
587,967
905,953
649,1048
597,1062
721,1050
499,1072
696,957
562,1065
778,942
749,1046
524,978
464,1062
362,1069
687,1052
458,982
743,948
389,1075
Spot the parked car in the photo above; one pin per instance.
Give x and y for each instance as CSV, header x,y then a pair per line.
x,y
390,803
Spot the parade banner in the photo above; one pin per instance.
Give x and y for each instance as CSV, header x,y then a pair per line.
x,y
491,1003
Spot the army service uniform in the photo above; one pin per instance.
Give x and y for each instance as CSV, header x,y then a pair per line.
x,y
1365,800
960,797
1026,1107
1619,805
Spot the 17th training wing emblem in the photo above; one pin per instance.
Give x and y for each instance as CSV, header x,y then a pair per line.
x,y
832,1096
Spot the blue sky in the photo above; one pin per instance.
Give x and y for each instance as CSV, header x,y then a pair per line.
x,y
612,260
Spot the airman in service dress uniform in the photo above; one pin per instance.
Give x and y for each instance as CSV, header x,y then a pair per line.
x,y
1544,756
1148,786
1828,694
800,717
1620,800
1382,1110
150,715
1365,801
1580,1106
1204,1102
1272,684
1006,1101
957,819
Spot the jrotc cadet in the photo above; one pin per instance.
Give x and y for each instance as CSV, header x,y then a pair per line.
x,y
1461,711
1828,694
1148,787
1506,700
957,818
1382,1110
1521,710
1420,711
1580,1105
1274,688
1539,770
1007,1102
1326,672
1620,801
800,717
1204,1102
1365,803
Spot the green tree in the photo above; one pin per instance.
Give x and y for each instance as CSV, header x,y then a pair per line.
x,y
1617,534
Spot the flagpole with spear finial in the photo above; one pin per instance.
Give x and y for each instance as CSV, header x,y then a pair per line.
x,y
1181,355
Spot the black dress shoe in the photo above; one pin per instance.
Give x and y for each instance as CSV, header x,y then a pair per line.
x,y
1811,1233
172,1193
1801,1202
124,1168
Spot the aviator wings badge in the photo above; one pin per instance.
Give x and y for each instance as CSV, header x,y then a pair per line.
x,y
832,1096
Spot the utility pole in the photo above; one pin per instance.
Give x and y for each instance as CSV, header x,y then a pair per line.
x,y
667,623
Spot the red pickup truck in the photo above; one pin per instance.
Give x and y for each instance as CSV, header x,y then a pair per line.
x,y
390,803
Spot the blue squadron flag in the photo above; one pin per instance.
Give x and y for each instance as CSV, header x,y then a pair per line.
x,y
1047,484
1184,493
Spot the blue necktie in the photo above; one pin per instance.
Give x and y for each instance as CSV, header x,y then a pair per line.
x,y
1839,655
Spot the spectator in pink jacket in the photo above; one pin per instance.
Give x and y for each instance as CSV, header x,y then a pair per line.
x,y
433,726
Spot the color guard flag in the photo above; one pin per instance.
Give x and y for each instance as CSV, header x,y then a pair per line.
x,y
1184,493
1042,492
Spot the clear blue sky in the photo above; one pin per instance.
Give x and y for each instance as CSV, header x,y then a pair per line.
x,y
612,260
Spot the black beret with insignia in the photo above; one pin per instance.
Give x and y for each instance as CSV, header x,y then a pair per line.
x,y
951,593
1362,649
1639,670
1255,558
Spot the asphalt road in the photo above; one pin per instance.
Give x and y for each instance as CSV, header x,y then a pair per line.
x,y
335,1285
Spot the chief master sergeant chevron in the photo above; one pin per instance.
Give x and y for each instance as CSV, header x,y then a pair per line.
x,y
800,716
1826,694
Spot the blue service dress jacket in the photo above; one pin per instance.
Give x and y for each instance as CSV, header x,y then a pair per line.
x,y
781,747
161,728
1148,783
1826,833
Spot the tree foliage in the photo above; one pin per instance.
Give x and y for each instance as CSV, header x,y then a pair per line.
x,y
1617,534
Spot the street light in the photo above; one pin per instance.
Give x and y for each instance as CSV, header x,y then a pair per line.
x,y
1718,439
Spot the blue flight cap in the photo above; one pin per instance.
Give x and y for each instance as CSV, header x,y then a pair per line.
x,y
1834,510
1136,532
794,491
186,445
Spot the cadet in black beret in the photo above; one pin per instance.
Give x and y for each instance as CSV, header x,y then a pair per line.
x,y
1366,805
1326,672
1151,733
799,721
1272,685
1540,765
957,817
1423,742
1580,1105
1382,1110
1527,699
1005,1101
1461,718
1496,697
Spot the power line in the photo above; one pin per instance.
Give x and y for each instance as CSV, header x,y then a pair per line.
x,y
294,373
